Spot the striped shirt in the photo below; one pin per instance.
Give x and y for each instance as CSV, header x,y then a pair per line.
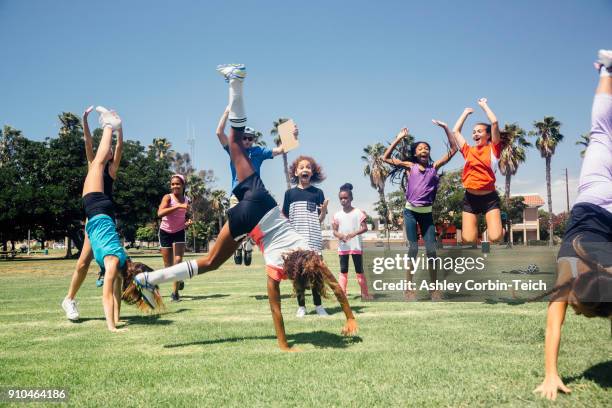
x,y
302,206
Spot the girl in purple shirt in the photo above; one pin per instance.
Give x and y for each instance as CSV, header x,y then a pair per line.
x,y
421,188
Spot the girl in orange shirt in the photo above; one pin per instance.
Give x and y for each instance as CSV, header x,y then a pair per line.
x,y
479,175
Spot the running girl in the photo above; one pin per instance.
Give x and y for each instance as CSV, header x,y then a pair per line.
x,y
479,175
421,187
348,225
306,207
584,262
285,252
172,230
110,174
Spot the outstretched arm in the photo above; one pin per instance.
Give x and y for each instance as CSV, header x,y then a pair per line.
x,y
554,321
114,167
277,316
89,152
452,142
221,128
460,141
495,135
350,327
403,133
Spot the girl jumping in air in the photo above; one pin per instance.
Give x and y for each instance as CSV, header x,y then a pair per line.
x,y
110,174
348,225
584,262
479,175
173,227
421,187
286,253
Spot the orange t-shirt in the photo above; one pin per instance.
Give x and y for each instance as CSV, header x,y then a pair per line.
x,y
480,165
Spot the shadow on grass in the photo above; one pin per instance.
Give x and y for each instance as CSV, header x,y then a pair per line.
x,y
153,319
203,297
319,339
599,373
506,301
338,309
265,297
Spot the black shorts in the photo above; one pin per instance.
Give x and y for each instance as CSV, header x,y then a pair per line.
x,y
480,204
97,203
594,226
357,262
166,239
254,202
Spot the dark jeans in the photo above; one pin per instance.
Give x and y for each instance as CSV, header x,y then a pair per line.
x,y
425,222
301,297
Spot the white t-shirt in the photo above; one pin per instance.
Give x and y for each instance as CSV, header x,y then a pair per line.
x,y
347,223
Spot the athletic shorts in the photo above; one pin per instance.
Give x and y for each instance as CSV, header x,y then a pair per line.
x,y
357,262
254,202
104,239
97,203
166,239
480,204
594,226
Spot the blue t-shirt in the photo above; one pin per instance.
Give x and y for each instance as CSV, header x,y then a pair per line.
x,y
257,155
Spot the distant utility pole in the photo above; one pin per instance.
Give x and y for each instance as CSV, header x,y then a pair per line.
x,y
567,191
191,143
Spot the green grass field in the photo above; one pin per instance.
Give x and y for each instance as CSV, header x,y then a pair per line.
x,y
217,347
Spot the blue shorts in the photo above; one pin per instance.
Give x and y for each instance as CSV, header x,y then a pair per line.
x,y
104,239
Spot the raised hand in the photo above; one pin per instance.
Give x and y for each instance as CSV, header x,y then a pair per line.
x,y
324,205
403,133
440,123
482,102
87,111
468,111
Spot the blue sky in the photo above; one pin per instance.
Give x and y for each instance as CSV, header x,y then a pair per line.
x,y
350,73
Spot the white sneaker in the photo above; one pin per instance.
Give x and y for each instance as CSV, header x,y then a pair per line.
x,y
605,58
301,312
321,310
232,71
69,306
108,118
146,289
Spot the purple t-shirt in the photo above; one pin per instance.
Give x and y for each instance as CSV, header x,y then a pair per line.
x,y
421,186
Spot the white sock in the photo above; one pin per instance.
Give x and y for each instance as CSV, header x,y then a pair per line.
x,y
183,271
237,116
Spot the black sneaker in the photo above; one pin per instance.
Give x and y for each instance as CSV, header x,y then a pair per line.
x,y
238,256
248,257
175,297
181,285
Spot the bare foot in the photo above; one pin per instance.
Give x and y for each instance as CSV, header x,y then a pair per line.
x,y
366,296
436,296
292,350
116,330
410,296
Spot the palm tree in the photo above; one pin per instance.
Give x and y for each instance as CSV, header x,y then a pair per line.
x,y
160,147
278,142
378,171
219,202
258,139
584,140
548,136
512,154
70,122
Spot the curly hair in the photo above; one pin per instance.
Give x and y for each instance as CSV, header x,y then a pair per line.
x,y
317,171
592,289
307,270
131,295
